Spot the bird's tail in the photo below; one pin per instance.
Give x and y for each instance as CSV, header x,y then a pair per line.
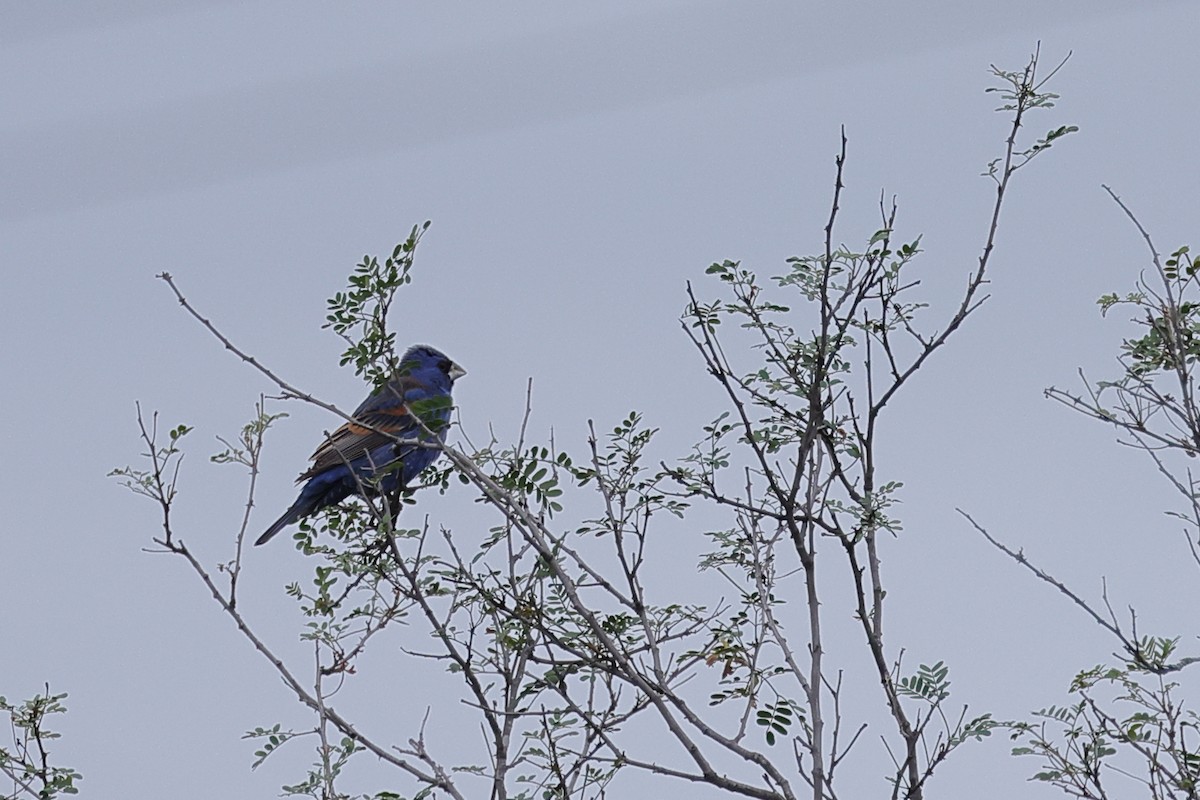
x,y
293,514
318,493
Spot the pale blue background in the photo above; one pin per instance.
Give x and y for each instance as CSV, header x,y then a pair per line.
x,y
579,163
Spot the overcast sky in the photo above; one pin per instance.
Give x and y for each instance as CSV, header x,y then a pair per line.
x,y
579,164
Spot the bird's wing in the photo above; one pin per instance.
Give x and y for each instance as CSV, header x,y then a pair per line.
x,y
381,416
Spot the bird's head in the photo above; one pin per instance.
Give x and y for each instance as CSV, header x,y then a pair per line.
x,y
422,358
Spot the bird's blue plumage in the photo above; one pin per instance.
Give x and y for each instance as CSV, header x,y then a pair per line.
x,y
363,455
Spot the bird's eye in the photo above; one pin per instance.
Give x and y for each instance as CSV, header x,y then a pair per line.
x,y
444,365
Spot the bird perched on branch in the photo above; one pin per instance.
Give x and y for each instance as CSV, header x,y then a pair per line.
x,y
363,456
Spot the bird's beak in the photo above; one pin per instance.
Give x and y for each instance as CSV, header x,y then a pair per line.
x,y
456,372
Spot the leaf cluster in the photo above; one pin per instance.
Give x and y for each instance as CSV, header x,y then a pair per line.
x,y
27,761
359,314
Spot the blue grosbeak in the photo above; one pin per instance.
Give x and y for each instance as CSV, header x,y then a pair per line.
x,y
365,457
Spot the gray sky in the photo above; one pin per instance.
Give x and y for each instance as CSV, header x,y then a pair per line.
x,y
579,165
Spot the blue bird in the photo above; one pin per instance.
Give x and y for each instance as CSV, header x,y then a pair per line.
x,y
349,460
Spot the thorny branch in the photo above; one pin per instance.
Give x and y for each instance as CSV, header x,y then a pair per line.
x,y
607,650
